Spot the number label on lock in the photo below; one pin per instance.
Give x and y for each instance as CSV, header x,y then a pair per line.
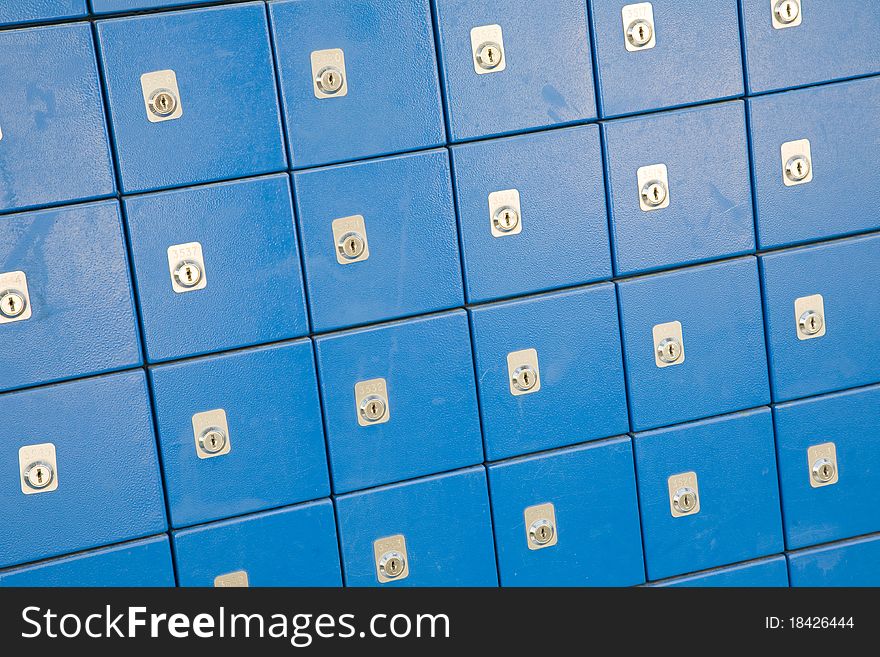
x,y
371,402
186,266
237,579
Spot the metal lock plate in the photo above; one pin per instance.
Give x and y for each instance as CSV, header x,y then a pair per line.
x,y
797,162
371,402
392,561
15,300
161,96
684,494
186,265
822,461
487,47
211,433
653,187
350,239
329,76
38,468
238,579
668,344
523,375
809,317
638,26
505,213
786,13
541,531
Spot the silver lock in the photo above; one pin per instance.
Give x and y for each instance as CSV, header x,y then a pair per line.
x,y
653,182
391,558
638,26
668,344
505,213
785,13
237,579
161,96
809,315
487,47
38,468
822,461
350,237
684,495
328,73
186,264
371,399
524,375
540,522
797,162
211,432
14,297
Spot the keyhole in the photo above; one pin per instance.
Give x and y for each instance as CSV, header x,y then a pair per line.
x,y
788,9
656,194
641,32
525,377
39,475
12,304
189,275
491,55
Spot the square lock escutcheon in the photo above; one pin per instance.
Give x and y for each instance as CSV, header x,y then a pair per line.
x,y
39,468
15,300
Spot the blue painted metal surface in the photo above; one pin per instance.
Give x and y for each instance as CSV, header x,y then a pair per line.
x,y
735,465
295,546
847,276
276,455
843,152
413,266
393,102
771,572
28,11
82,308
231,123
593,492
52,129
445,520
140,563
696,57
109,488
844,509
850,563
835,40
548,79
582,395
564,236
724,367
709,215
254,291
433,423
109,6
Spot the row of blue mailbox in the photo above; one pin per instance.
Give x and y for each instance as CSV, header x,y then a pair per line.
x,y
224,120
612,522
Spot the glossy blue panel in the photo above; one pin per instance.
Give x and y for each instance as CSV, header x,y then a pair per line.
x,y
847,276
548,79
108,6
850,563
849,507
231,124
739,518
83,316
725,363
771,572
52,129
696,57
835,40
445,521
393,102
295,546
140,563
710,198
433,420
571,370
255,289
564,238
109,488
413,265
26,11
277,453
593,492
843,154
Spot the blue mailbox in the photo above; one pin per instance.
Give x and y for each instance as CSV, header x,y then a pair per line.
x,y
849,563
771,572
